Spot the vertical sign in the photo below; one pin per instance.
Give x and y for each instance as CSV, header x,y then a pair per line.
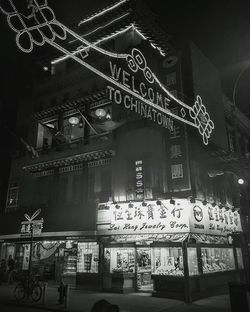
x,y
139,183
178,170
26,257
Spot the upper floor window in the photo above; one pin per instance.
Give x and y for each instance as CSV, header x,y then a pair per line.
x,y
61,130
12,202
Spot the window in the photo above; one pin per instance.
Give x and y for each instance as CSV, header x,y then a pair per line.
x,y
119,260
60,130
88,257
217,259
12,197
239,258
167,261
192,261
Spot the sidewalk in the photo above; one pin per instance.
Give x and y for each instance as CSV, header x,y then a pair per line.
x,y
82,301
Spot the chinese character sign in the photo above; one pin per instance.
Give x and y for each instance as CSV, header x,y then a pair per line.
x,y
145,217
208,219
179,216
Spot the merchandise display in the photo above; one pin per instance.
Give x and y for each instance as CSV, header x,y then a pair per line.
x,y
192,261
143,260
88,257
119,260
217,259
167,261
70,260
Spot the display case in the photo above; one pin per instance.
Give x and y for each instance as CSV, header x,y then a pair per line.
x,y
217,259
88,265
119,269
167,261
119,260
88,257
144,281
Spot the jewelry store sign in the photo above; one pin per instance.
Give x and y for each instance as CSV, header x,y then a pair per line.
x,y
165,217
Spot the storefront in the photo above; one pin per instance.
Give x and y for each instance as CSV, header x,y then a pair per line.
x,y
73,260
172,248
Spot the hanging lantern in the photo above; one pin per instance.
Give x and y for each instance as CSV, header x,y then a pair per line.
x,y
108,115
74,121
100,113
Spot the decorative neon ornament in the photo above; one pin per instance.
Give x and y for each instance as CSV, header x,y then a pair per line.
x,y
202,119
39,26
102,12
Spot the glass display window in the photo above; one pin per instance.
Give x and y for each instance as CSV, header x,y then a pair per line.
x,y
167,261
192,261
239,258
119,260
70,261
88,257
143,260
217,259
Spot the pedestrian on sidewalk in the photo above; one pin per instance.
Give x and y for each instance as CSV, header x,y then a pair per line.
x,y
11,267
104,306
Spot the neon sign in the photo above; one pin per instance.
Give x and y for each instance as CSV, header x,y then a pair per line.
x,y
34,23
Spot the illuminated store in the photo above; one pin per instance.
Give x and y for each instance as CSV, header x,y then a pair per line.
x,y
172,247
125,132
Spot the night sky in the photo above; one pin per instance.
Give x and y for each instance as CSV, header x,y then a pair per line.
x,y
221,28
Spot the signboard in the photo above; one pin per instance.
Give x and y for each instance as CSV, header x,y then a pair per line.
x,y
26,257
178,175
37,226
141,217
139,183
206,219
147,96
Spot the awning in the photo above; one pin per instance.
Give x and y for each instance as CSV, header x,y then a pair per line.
x,y
208,239
134,238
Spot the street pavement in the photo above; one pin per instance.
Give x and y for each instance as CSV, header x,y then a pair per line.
x,y
82,301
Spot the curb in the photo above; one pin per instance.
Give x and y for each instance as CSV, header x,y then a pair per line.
x,y
32,306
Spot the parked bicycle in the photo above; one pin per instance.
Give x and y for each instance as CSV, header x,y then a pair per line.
x,y
28,287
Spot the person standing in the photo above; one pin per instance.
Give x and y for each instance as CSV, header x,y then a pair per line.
x,y
11,267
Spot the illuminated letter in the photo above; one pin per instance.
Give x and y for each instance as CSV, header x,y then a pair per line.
x,y
166,102
125,79
159,119
133,104
143,93
118,97
151,94
110,89
115,73
154,111
126,97
144,110
149,116
159,99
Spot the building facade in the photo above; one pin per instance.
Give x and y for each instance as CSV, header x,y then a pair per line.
x,y
131,199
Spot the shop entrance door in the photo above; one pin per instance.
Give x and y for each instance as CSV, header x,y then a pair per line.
x,y
144,281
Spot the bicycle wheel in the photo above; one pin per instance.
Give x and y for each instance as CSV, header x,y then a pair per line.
x,y
19,292
36,293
